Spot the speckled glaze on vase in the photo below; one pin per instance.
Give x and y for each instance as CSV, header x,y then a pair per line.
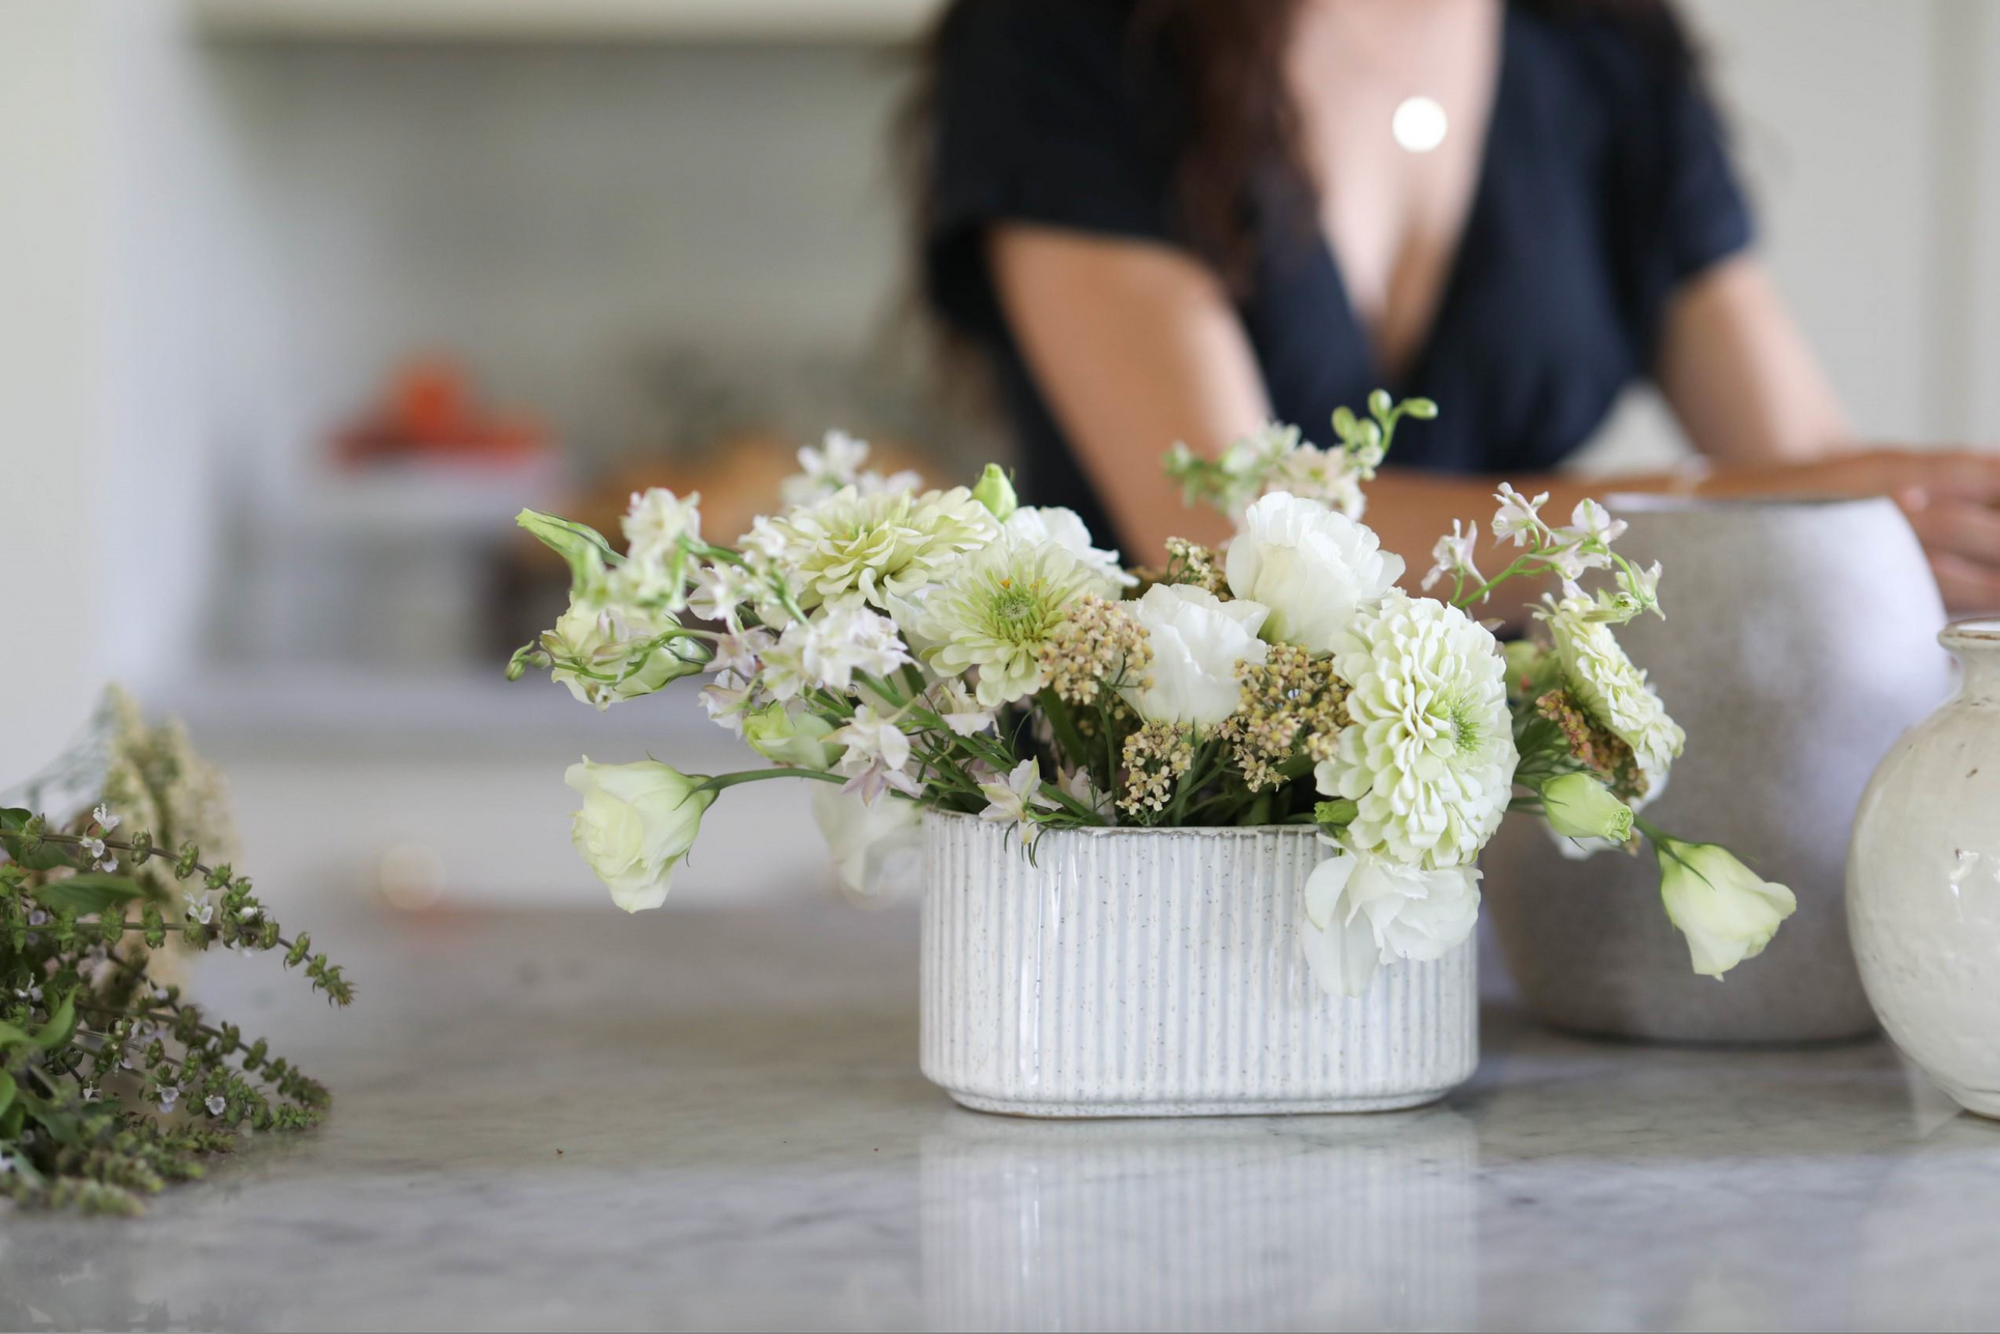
x,y
1158,973
1799,642
1923,882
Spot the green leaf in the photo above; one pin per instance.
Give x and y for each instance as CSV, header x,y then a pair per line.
x,y
44,858
92,892
6,1094
61,1025
1336,814
11,1036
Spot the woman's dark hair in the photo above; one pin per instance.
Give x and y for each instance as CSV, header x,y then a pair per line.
x,y
1228,55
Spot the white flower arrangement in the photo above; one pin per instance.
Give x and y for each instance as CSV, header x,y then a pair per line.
x,y
956,651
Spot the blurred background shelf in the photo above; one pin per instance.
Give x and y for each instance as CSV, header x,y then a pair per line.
x,y
567,20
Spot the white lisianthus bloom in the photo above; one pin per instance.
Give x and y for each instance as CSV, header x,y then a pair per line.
x,y
875,547
1013,799
605,653
1065,528
877,847
996,610
1727,912
1312,567
1578,806
1612,691
1362,912
1197,640
637,822
1429,756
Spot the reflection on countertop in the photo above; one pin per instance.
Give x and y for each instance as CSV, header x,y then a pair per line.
x,y
715,1120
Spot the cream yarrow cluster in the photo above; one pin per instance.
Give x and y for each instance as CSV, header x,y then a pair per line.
x,y
1292,706
1097,650
1155,756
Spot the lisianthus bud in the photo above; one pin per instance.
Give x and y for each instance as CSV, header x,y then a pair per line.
x,y
1578,806
579,544
996,493
783,739
637,822
1726,912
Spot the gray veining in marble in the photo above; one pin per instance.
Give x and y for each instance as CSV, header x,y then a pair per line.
x,y
716,1121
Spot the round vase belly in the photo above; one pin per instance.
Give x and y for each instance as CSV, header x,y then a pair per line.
x,y
1158,973
1798,643
1923,889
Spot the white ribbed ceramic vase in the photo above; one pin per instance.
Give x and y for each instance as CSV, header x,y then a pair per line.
x,y
1158,973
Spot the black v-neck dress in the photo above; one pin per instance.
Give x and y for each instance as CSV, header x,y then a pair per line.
x,y
1604,185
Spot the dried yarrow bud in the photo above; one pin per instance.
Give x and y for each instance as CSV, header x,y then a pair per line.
x,y
1192,563
1593,746
1289,701
1155,758
1099,649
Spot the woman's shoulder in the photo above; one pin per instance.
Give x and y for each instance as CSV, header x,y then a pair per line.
x,y
1621,57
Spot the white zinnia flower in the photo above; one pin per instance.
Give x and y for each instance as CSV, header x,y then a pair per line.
x,y
1010,800
1065,528
1362,912
875,546
877,755
1429,756
997,609
1197,640
877,847
1614,692
1726,911
637,822
1312,567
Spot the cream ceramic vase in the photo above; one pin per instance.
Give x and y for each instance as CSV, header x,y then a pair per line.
x,y
1799,642
1923,882
1159,973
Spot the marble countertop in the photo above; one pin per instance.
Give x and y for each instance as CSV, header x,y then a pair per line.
x,y
716,1121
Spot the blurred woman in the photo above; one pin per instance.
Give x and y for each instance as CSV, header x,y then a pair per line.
x,y
1167,220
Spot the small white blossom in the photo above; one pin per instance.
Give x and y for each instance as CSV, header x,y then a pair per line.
x,y
657,521
36,917
961,712
105,819
725,706
1592,523
1011,800
877,755
216,1104
849,639
168,1097
199,909
6,1164
1085,793
1454,555
738,653
30,994
721,590
1518,517
838,462
91,1093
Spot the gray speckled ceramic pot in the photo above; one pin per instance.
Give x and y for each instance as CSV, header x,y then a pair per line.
x,y
1158,973
1800,641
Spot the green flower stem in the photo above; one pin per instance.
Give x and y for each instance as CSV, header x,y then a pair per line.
x,y
1064,726
721,781
1521,565
153,854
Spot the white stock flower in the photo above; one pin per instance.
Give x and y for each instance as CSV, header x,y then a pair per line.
x,y
1080,789
726,705
839,461
605,653
877,755
1518,517
1312,567
849,639
877,847
1614,692
1726,911
1330,475
1362,912
637,822
1197,639
1590,522
1012,799
876,547
1429,754
1453,555
996,610
720,590
961,712
1065,528
657,521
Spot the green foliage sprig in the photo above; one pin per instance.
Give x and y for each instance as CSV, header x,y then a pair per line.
x,y
113,1084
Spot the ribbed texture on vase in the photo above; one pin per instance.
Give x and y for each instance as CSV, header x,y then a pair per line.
x,y
1159,973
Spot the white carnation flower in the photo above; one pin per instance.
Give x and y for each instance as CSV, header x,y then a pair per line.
x,y
1362,912
877,547
1312,567
1614,692
1429,756
1066,529
1197,640
997,609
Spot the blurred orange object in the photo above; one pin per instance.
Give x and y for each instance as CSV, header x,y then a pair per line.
x,y
430,412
